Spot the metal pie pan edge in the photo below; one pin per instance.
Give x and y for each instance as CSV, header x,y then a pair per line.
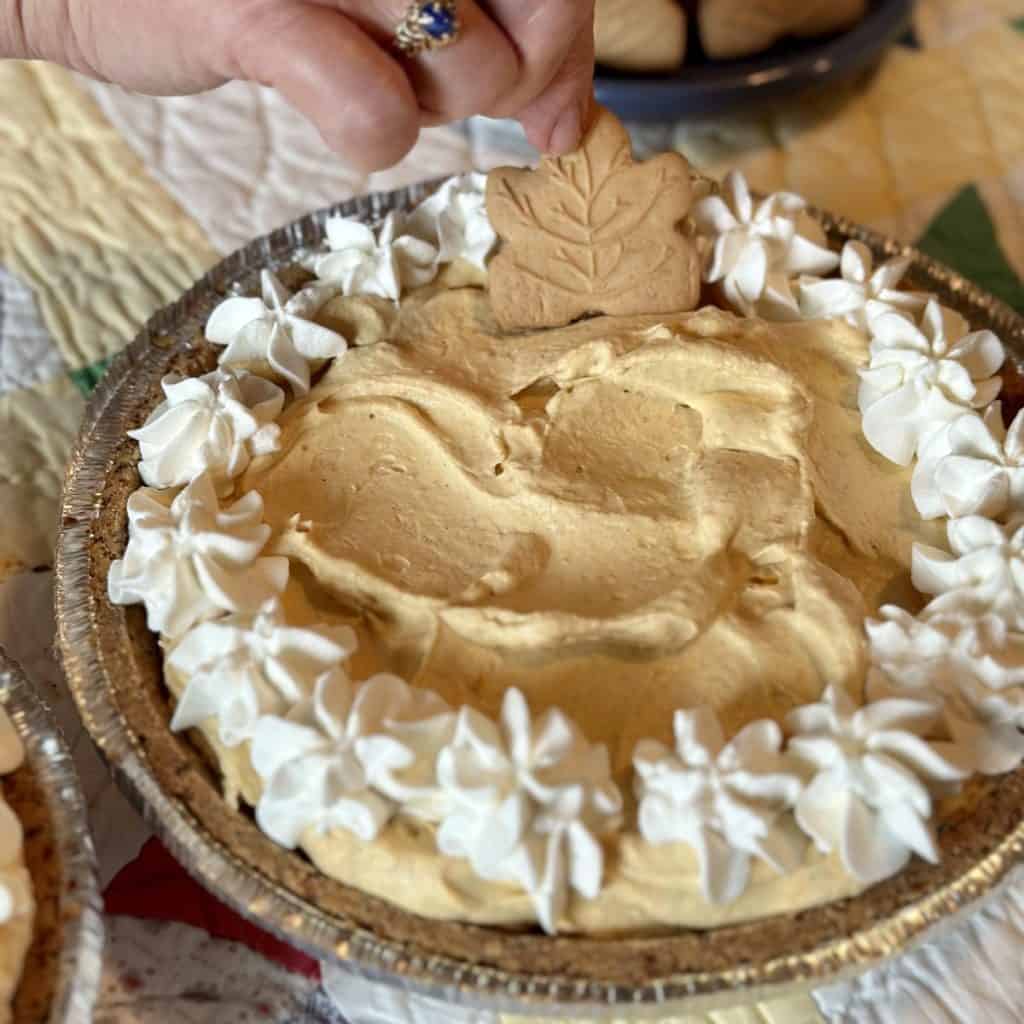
x,y
79,905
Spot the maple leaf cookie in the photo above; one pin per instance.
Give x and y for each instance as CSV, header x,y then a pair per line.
x,y
592,232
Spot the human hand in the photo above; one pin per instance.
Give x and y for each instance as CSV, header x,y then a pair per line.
x,y
333,60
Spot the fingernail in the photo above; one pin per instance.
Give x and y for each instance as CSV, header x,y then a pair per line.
x,y
565,136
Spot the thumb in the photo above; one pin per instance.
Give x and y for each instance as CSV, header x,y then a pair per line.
x,y
556,120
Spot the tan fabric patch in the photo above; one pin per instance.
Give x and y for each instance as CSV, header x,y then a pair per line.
x,y
893,151
993,60
945,22
38,427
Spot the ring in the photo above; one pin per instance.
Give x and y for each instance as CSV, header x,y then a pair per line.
x,y
428,25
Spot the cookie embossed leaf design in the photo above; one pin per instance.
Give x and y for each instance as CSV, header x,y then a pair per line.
x,y
592,232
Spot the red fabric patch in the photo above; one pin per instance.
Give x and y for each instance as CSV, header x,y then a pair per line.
x,y
1012,395
156,887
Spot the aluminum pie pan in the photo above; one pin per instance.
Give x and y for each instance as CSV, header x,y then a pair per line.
x,y
64,968
112,665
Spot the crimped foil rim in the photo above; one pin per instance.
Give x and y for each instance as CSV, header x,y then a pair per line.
x,y
81,919
92,670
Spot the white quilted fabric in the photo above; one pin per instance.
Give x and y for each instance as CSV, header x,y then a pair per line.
x,y
163,971
27,354
242,162
972,974
366,1002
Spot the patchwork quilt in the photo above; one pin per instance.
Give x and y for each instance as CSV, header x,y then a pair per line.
x,y
111,204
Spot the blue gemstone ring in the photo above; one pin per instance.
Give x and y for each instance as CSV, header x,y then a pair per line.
x,y
428,25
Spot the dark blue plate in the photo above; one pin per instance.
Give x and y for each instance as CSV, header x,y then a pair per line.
x,y
704,88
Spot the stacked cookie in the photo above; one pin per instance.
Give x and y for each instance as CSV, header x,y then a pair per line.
x,y
651,35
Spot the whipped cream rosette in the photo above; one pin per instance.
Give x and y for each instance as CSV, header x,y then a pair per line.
x,y
276,331
454,219
966,648
861,292
723,799
341,755
972,466
972,664
983,569
924,375
868,797
213,424
240,668
758,247
384,263
188,559
529,799
408,250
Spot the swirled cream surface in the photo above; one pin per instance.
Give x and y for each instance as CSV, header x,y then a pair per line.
x,y
621,518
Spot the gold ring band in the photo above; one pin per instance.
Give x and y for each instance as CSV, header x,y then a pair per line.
x,y
428,25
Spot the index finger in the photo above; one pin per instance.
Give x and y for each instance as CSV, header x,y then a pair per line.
x,y
543,32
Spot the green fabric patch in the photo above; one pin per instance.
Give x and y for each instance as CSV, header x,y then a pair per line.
x,y
88,377
964,237
1018,24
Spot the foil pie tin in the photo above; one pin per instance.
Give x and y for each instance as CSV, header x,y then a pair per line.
x,y
113,667
64,965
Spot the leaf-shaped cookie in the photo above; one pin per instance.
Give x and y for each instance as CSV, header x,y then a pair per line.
x,y
592,232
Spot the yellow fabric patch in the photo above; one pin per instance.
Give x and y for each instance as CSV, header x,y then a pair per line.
x,y
82,223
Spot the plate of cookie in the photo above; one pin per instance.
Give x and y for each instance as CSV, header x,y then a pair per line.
x,y
565,589
662,60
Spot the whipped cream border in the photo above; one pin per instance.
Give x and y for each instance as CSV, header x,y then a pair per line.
x,y
945,691
408,249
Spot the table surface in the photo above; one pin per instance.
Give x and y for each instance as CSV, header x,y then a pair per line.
x,y
111,204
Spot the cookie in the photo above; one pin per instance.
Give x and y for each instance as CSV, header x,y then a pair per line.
x,y
592,232
649,35
736,28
